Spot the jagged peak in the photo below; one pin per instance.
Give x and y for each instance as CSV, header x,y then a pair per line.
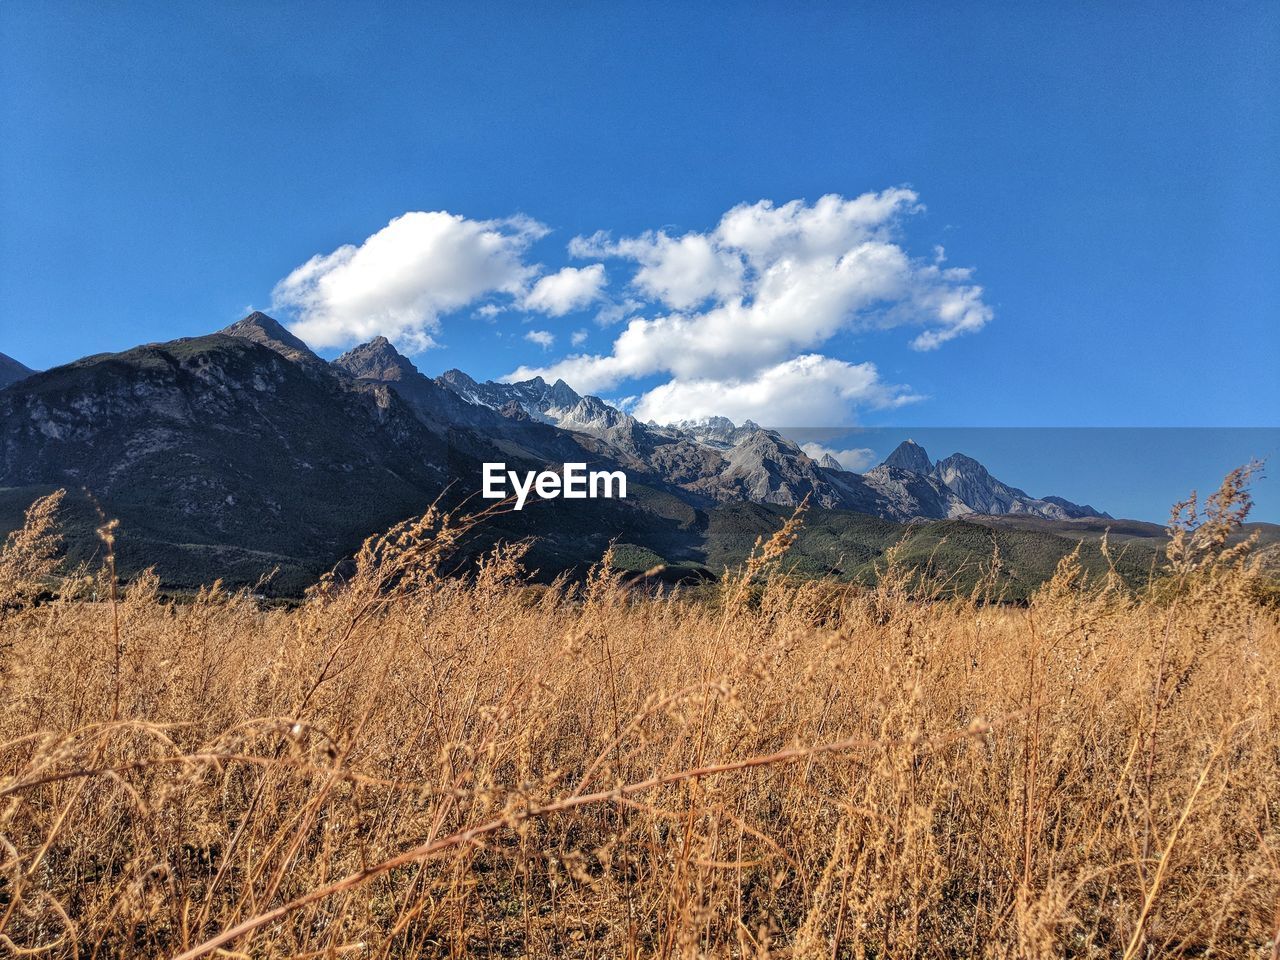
x,y
962,461
758,438
706,423
910,456
269,332
562,393
376,360
379,345
458,377
259,321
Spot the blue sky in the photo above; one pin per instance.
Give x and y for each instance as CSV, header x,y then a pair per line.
x,y
1106,173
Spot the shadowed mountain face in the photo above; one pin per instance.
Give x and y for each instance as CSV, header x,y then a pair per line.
x,y
11,371
220,441
230,454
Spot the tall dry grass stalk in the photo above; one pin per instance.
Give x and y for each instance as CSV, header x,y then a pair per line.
x,y
411,765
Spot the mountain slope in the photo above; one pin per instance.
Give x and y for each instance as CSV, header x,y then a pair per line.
x,y
957,555
260,328
973,484
11,371
224,457
378,362
220,441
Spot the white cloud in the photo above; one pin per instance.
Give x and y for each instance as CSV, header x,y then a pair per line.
x,y
400,280
681,272
855,459
543,338
772,281
806,391
570,289
732,319
612,313
831,227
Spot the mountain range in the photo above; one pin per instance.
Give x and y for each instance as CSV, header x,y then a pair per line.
x,y
243,452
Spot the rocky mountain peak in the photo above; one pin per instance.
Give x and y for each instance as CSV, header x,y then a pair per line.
x,y
718,431
959,464
457,378
828,462
909,455
562,395
376,360
269,332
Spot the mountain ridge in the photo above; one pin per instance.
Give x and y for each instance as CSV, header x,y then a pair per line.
x,y
245,440
907,484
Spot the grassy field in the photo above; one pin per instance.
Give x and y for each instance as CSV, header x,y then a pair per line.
x,y
409,765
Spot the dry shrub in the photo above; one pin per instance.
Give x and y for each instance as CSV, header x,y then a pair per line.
x,y
29,555
411,765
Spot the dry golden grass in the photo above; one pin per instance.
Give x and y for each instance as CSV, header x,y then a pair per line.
x,y
409,766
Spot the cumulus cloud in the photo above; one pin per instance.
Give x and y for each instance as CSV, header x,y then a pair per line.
x,y
808,390
400,280
569,289
681,272
855,459
768,283
543,338
728,321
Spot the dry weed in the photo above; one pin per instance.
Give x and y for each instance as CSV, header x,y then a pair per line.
x,y
411,765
